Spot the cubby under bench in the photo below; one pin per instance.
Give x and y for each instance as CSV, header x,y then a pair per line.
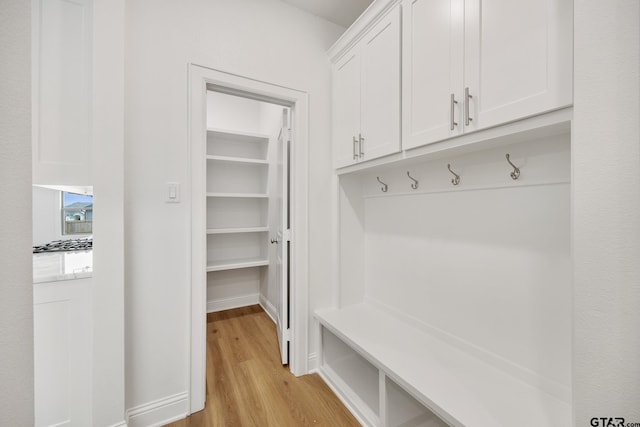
x,y
390,374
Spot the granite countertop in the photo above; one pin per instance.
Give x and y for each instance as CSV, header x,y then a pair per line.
x,y
56,266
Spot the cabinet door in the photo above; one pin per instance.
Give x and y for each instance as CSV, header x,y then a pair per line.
x,y
518,58
346,108
62,353
380,89
62,92
431,70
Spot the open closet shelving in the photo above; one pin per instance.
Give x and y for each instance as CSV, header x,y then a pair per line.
x,y
237,199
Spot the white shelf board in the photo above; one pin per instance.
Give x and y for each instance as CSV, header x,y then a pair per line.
x,y
236,264
459,388
246,160
246,195
262,137
237,230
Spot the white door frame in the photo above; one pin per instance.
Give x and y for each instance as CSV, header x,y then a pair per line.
x,y
201,78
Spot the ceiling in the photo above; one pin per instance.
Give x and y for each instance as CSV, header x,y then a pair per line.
x,y
341,12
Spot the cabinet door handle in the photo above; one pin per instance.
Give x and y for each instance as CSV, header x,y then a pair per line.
x,y
355,150
361,145
451,115
467,97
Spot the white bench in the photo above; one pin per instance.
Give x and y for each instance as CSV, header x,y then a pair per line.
x,y
459,388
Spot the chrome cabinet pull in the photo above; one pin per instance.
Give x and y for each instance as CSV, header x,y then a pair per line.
x,y
361,145
355,152
451,115
467,97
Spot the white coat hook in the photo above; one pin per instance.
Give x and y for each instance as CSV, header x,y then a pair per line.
x,y
414,184
385,187
456,179
516,171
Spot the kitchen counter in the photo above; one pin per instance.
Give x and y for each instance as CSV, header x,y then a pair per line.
x,y
57,266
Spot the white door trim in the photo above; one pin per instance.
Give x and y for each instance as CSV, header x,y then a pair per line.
x,y
199,79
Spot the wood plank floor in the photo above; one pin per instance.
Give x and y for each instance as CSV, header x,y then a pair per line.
x,y
248,386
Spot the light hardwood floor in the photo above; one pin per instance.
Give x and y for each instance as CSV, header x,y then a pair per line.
x,y
248,386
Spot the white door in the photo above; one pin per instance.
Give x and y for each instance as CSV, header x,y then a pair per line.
x,y
432,70
518,58
380,88
282,239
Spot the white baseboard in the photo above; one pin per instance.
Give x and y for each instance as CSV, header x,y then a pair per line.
x,y
235,302
269,308
120,424
159,412
312,363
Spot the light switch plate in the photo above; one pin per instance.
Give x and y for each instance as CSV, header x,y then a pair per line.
x,y
173,192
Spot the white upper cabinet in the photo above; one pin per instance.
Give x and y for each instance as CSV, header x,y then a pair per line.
x,y
380,88
432,70
518,58
366,95
474,64
346,109
62,102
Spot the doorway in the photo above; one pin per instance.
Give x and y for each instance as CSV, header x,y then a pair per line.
x,y
247,207
248,143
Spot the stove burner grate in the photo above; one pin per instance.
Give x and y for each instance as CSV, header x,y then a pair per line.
x,y
65,245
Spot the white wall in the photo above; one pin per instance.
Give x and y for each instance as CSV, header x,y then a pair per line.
x,y
16,290
230,112
606,202
46,215
261,39
108,229
486,265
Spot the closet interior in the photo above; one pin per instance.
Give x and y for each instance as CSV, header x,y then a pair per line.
x,y
241,201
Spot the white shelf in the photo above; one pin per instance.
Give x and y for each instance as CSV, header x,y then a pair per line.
x,y
245,160
237,144
246,195
261,137
236,264
459,388
237,230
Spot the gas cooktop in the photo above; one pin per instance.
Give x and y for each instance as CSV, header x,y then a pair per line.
x,y
65,245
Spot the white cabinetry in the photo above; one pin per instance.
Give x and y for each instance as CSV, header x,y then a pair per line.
x,y
366,94
474,64
237,216
62,102
62,352
454,296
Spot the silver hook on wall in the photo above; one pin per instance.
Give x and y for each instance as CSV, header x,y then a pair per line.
x,y
456,179
516,171
385,187
414,184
